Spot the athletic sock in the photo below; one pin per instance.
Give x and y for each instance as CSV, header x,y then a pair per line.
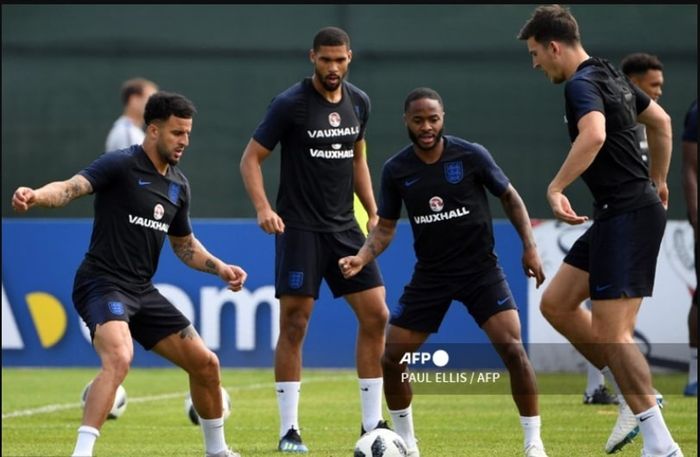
x,y
288,402
693,366
531,430
371,400
213,431
595,379
657,438
86,441
403,424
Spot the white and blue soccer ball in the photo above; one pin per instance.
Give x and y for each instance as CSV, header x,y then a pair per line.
x,y
380,442
194,417
119,405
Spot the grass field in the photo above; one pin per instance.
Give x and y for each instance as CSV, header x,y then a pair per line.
x,y
41,412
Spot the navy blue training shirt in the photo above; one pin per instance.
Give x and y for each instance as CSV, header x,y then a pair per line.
x,y
446,204
618,177
135,207
317,141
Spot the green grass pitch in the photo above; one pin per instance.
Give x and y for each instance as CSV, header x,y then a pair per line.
x,y
41,413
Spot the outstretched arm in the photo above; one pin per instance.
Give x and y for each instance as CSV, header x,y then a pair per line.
x,y
195,255
517,213
378,239
53,195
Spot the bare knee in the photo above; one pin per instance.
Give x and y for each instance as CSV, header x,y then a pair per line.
x,y
513,355
374,322
293,327
206,369
115,364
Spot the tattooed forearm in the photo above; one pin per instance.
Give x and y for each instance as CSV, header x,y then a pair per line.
x,y
378,240
59,194
210,267
184,250
188,333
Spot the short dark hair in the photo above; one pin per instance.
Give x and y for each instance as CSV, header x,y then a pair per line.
x,y
420,93
639,63
551,23
134,86
162,105
331,36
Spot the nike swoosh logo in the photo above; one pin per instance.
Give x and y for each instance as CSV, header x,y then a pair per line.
x,y
280,391
602,288
502,301
410,182
403,415
642,419
144,183
364,389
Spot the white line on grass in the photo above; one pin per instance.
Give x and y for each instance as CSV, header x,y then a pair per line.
x,y
62,407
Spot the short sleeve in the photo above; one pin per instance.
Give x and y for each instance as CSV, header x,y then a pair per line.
x,y
275,123
490,174
181,225
389,197
105,169
582,97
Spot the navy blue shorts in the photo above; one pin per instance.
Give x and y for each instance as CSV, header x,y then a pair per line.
x,y
620,253
151,317
426,299
303,258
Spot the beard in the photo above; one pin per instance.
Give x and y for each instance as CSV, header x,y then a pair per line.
x,y
166,156
414,139
330,87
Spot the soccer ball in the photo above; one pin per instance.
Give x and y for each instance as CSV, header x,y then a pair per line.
x,y
119,405
194,417
380,442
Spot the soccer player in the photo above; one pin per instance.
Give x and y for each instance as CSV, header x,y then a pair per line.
x,y
443,180
128,128
690,188
140,197
614,261
646,72
320,123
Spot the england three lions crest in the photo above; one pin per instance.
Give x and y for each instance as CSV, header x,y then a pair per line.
x,y
454,172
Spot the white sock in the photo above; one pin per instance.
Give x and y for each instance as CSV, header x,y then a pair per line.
x,y
371,400
693,366
657,438
595,379
86,441
531,429
288,403
403,423
213,431
611,379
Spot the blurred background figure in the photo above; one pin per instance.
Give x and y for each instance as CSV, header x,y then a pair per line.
x,y
690,189
646,72
128,128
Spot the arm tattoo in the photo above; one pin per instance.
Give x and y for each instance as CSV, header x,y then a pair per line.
x,y
188,333
210,267
184,250
378,240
